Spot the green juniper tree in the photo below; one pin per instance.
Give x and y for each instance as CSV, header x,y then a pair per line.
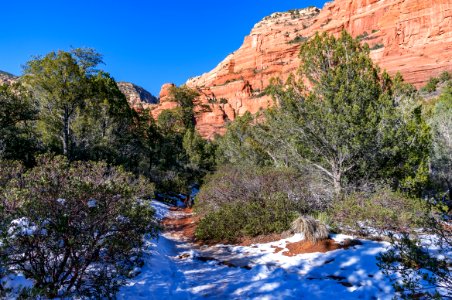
x,y
60,82
17,116
240,146
347,125
441,162
102,127
82,112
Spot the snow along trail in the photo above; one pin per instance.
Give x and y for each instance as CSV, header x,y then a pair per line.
x,y
175,269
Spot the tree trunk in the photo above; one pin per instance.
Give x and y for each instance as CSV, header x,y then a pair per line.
x,y
66,133
337,176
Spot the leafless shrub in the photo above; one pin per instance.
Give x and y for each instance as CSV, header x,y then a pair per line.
x,y
232,184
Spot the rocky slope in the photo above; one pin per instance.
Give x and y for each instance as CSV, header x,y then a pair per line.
x,y
410,36
137,96
7,78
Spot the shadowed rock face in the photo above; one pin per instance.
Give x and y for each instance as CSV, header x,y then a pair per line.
x,y
137,96
410,36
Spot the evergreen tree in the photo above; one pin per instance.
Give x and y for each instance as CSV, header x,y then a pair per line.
x,y
82,113
102,125
240,146
60,83
17,115
200,153
185,97
347,124
442,141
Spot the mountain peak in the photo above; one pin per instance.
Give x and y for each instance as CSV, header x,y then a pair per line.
x,y
136,95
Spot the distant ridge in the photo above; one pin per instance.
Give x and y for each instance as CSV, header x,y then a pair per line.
x,y
6,74
7,78
137,96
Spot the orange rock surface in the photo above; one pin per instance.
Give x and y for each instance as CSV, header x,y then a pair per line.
x,y
165,101
410,36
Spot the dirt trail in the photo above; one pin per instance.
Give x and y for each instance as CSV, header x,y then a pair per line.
x,y
176,268
181,224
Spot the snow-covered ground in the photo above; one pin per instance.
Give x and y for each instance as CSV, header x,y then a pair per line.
x,y
175,269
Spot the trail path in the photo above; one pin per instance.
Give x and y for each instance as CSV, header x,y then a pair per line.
x,y
177,269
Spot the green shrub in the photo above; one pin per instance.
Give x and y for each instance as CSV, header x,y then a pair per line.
x,y
362,36
377,46
431,85
235,220
414,270
90,216
298,40
223,101
383,210
250,201
445,76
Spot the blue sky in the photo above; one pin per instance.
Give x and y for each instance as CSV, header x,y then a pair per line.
x,y
147,42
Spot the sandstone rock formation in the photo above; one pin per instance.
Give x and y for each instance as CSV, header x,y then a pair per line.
x,y
137,96
410,36
166,102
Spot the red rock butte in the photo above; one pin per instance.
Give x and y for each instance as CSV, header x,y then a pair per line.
x,y
413,37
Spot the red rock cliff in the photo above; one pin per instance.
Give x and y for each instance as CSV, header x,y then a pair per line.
x,y
410,36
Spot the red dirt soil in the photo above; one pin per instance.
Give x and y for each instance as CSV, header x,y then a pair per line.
x,y
183,227
303,247
323,246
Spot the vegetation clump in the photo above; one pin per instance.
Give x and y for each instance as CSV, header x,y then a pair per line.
x,y
431,85
348,126
352,129
377,46
237,202
74,229
380,211
298,40
414,270
362,36
312,229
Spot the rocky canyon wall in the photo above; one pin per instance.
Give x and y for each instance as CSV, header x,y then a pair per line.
x,y
410,36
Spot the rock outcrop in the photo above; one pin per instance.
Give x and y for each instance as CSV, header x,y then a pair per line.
x,y
413,37
7,78
410,36
166,102
137,96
